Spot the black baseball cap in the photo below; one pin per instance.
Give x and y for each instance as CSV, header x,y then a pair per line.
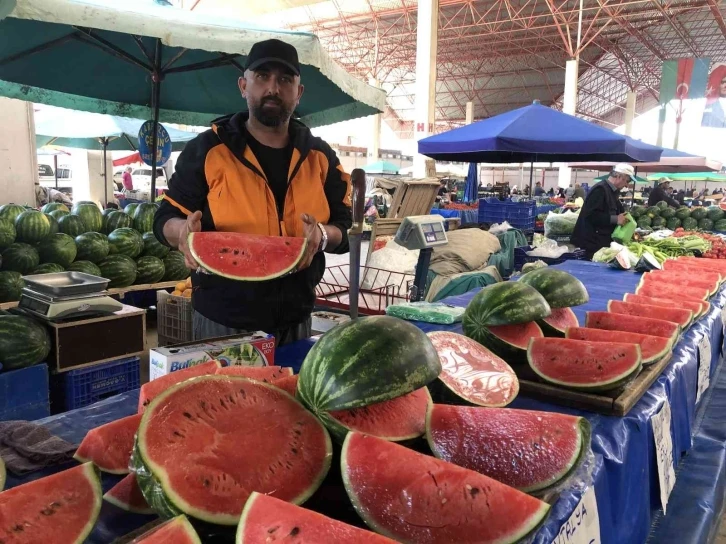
x,y
273,51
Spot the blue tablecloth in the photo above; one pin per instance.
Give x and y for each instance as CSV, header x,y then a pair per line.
x,y
624,473
466,216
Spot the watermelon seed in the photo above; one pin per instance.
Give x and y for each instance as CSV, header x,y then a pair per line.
x,y
187,415
236,252
234,263
273,529
18,528
222,404
243,394
474,491
295,531
206,482
224,250
294,451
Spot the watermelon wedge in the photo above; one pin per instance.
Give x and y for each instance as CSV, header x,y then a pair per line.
x,y
417,499
655,291
266,519
704,275
127,495
671,278
509,341
652,348
628,323
714,264
150,390
2,474
697,307
525,449
287,384
558,322
399,419
263,373
109,446
652,288
676,315
247,257
177,531
61,508
691,267
205,444
472,372
579,364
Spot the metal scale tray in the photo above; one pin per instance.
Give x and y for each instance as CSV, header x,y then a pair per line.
x,y
66,284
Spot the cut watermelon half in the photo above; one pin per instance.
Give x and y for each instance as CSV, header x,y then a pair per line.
x,y
472,372
646,287
127,496
399,419
58,508
671,278
675,315
262,373
109,446
579,364
175,531
205,444
247,257
558,322
287,384
415,498
150,390
629,323
692,268
525,449
696,306
266,519
652,348
510,341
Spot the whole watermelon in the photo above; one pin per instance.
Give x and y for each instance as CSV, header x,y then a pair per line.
x,y
7,233
504,303
653,211
144,217
705,224
11,212
31,227
54,228
644,222
658,222
130,209
153,247
59,249
673,223
107,211
125,241
175,267
20,257
637,211
92,246
90,215
72,225
48,268
23,342
698,213
149,270
11,284
720,226
714,213
689,223
683,213
662,204
667,213
52,206
57,214
120,270
117,220
87,267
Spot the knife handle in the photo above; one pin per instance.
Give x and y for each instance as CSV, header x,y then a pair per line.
x,y
358,182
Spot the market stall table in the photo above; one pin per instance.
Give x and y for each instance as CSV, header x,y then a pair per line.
x,y
624,469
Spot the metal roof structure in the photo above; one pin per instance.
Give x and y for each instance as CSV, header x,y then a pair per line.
x,y
502,54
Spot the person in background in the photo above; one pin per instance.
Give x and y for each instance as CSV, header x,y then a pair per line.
x,y
45,195
443,190
660,194
539,190
569,192
602,211
128,182
579,192
561,193
681,196
551,192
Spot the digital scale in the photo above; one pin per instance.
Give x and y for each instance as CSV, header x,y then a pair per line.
x,y
422,232
67,295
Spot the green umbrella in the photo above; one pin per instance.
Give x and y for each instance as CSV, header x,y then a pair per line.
x,y
638,179
693,176
381,167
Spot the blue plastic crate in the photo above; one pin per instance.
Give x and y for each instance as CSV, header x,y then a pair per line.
x,y
521,215
24,393
78,388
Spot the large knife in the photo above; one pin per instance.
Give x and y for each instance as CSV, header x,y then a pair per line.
x,y
355,233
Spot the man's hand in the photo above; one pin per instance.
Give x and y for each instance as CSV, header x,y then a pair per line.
x,y
622,219
192,224
313,235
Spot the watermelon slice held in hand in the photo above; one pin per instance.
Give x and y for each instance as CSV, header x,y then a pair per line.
x,y
247,257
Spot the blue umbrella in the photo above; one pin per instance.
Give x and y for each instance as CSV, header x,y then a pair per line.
x,y
471,189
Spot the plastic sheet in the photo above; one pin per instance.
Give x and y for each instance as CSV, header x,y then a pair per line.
x,y
436,312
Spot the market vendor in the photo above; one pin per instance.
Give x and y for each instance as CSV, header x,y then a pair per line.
x,y
259,173
660,193
602,211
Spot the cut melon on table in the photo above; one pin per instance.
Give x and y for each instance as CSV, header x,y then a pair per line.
x,y
652,348
525,449
671,278
109,446
247,257
558,322
705,275
287,383
629,323
694,268
696,306
714,264
660,288
418,499
150,390
127,495
263,373
175,531
61,508
675,315
268,520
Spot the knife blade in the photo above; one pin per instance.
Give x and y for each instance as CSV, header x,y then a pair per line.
x,y
355,233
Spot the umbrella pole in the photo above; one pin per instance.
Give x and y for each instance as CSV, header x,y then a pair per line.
x,y
104,142
55,164
531,173
156,79
632,198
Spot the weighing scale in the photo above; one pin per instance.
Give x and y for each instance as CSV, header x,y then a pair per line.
x,y
422,232
67,295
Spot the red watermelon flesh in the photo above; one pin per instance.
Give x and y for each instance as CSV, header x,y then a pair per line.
x,y
706,276
149,391
691,267
247,257
697,307
558,321
211,441
127,495
714,264
671,278
267,520
61,508
629,323
658,291
262,373
525,449
580,364
418,499
654,288
472,372
517,335
287,384
177,530
652,348
109,446
676,315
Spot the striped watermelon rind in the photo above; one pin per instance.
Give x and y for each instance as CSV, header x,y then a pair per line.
x,y
153,247
11,212
90,214
31,227
11,285
72,225
20,257
504,303
175,266
7,233
507,341
23,342
144,217
59,248
125,241
48,268
54,228
87,267
149,270
117,220
559,288
120,270
52,206
92,246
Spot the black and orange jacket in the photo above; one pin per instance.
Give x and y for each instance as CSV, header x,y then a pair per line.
x,y
218,174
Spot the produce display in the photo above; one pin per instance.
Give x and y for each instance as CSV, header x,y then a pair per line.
x,y
23,341
676,315
109,446
177,530
127,496
557,323
651,287
652,348
628,323
504,303
698,308
150,390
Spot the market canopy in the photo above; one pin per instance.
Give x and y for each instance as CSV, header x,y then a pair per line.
x,y
535,133
690,176
671,160
380,167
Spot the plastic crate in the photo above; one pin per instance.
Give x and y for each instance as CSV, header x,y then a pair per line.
x,y
24,393
79,388
521,257
521,215
174,317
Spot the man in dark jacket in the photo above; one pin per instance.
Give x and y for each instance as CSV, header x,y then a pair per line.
x,y
660,193
602,211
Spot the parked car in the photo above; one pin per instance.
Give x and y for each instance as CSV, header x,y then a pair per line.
x,y
141,178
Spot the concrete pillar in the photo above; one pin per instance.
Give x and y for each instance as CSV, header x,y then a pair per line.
x,y
375,145
630,112
426,42
88,176
661,124
18,159
569,105
469,113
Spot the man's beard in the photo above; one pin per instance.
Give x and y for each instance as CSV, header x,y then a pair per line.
x,y
270,118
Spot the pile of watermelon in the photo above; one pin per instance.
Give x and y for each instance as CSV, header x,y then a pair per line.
x,y
118,245
661,216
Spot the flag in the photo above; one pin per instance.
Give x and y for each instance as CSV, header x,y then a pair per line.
x,y
683,79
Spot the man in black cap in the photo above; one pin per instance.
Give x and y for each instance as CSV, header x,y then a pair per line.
x,y
259,172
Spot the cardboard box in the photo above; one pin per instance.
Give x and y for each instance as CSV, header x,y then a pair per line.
x,y
257,349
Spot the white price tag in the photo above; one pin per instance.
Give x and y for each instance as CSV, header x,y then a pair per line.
x,y
664,452
704,366
583,527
